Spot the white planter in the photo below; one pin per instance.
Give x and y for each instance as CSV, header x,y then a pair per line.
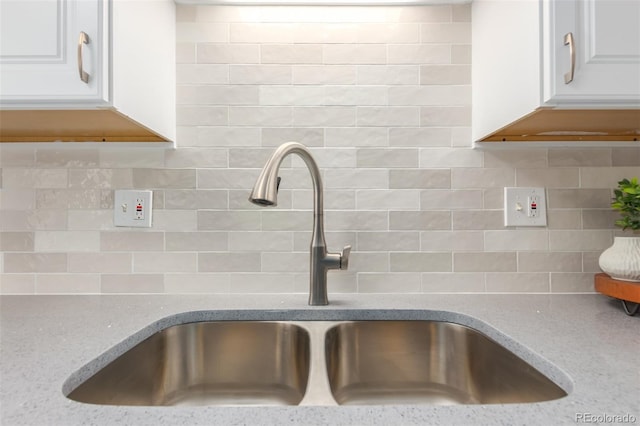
x,y
622,260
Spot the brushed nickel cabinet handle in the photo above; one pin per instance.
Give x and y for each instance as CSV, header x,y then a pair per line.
x,y
568,40
82,40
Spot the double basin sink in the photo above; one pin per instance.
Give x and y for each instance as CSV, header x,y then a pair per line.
x,y
358,362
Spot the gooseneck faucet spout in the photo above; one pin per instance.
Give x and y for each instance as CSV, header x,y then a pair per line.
x,y
265,193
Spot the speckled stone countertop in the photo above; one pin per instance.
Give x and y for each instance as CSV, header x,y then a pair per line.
x,y
587,338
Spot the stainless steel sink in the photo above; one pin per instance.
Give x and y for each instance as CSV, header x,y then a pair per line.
x,y
207,363
315,362
427,362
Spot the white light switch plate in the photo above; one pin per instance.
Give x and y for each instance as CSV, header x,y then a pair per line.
x,y
132,208
525,207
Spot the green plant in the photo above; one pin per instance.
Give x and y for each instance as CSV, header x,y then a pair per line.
x,y
627,202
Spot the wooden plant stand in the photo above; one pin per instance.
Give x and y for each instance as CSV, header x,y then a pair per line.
x,y
624,290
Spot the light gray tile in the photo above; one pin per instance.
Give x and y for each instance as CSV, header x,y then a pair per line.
x,y
290,53
356,54
360,220
519,159
325,116
196,241
180,283
227,179
17,283
285,262
261,241
100,262
309,137
419,54
421,262
161,262
548,178
549,261
132,157
388,74
67,241
260,74
369,261
564,219
132,283
478,219
485,262
356,137
458,241
164,178
572,283
225,53
442,282
482,178
588,240
420,220
516,240
67,284
196,157
195,199
579,198
442,199
625,157
455,33
599,177
228,262
419,136
572,157
454,74
35,262
287,95
16,241
191,74
439,116
388,199
599,219
100,178
131,241
517,282
274,220
420,178
389,241
215,220
261,283
389,283
387,158
78,158
34,178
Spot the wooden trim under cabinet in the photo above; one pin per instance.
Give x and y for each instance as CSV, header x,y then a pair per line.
x,y
102,125
572,125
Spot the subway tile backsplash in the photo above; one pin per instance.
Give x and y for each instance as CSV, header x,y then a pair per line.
x,y
382,96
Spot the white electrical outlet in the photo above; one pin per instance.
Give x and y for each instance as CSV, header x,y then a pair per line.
x,y
525,207
132,208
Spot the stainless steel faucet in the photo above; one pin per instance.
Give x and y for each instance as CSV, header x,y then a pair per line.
x,y
265,193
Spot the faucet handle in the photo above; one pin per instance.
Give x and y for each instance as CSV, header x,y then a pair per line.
x,y
344,257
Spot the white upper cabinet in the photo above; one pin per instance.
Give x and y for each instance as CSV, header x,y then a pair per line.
x,y
87,70
44,47
606,44
556,70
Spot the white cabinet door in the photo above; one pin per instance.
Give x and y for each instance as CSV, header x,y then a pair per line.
x,y
39,61
606,34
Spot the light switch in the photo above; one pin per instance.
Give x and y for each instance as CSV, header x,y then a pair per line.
x,y
525,207
132,208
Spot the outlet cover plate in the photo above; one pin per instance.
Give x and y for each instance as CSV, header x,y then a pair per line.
x,y
132,208
525,207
